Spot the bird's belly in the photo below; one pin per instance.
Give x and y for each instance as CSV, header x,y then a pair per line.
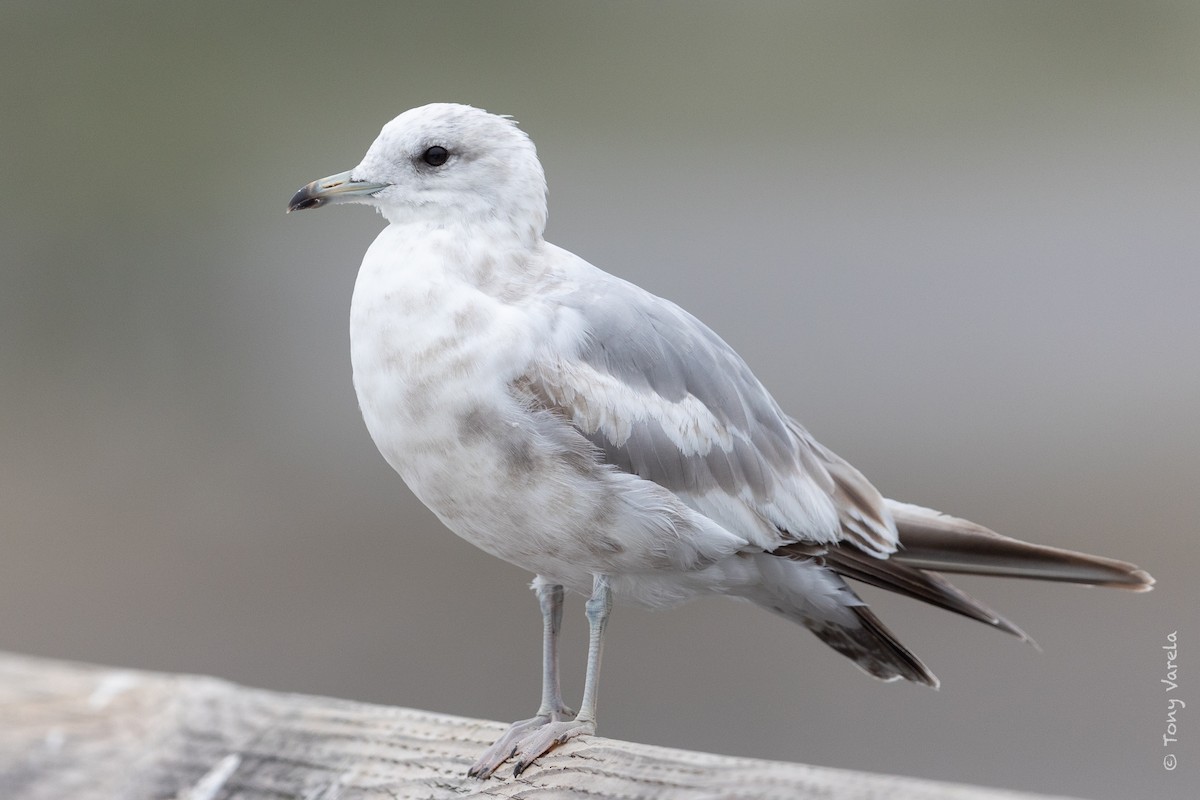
x,y
480,469
447,422
505,479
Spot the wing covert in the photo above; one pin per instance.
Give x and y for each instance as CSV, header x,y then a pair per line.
x,y
663,397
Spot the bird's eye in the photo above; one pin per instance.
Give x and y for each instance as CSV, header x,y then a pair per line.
x,y
435,156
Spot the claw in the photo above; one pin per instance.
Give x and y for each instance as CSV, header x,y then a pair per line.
x,y
483,771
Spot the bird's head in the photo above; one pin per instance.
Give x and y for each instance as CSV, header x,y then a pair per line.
x,y
442,164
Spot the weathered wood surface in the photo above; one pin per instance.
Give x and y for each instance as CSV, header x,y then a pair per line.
x,y
76,732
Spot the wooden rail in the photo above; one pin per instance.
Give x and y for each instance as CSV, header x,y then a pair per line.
x,y
78,732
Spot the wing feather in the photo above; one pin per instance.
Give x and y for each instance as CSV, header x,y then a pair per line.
x,y
662,396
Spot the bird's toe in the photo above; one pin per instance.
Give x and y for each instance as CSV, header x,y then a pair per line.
x,y
546,738
506,746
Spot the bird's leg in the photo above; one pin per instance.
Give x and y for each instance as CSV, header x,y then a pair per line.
x,y
552,734
599,605
550,598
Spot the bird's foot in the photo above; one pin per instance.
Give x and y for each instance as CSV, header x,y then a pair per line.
x,y
507,745
548,737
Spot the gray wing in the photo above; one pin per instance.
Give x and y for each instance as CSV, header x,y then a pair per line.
x,y
665,398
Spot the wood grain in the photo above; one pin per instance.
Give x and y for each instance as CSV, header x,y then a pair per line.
x,y
78,732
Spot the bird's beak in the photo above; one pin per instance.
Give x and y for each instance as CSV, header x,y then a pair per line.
x,y
334,189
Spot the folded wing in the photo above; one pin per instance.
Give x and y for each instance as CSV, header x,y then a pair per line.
x,y
665,398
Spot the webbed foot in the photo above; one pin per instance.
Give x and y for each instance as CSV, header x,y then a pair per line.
x,y
513,740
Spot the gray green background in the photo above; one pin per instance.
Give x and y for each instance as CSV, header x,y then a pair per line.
x,y
959,241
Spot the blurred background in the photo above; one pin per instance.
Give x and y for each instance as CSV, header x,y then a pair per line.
x,y
959,241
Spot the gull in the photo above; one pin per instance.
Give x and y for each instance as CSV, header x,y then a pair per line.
x,y
605,440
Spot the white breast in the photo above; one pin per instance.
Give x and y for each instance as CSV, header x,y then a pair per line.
x,y
427,346
434,356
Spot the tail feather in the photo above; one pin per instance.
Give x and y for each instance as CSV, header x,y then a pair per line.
x,y
929,587
871,646
808,591
932,540
806,583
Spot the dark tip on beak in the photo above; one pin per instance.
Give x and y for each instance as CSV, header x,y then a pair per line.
x,y
305,198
